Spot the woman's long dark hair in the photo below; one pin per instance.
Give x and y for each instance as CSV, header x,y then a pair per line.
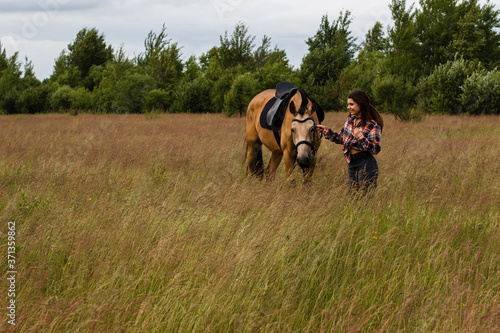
x,y
368,111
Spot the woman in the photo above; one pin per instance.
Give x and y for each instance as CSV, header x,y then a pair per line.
x,y
360,140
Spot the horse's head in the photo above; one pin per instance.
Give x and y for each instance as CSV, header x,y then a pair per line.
x,y
304,133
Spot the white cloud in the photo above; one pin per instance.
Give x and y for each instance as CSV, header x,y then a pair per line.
x,y
41,29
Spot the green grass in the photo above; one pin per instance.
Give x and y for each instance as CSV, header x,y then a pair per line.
x,y
130,224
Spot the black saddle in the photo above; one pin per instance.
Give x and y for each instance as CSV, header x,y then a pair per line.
x,y
283,89
274,112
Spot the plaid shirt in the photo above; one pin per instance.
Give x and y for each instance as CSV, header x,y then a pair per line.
x,y
368,138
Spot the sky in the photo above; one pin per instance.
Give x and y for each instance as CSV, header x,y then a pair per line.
x,y
41,29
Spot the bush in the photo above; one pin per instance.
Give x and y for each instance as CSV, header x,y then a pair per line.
x,y
193,96
322,93
271,74
62,98
440,91
8,101
94,77
243,89
157,99
397,96
131,92
481,93
220,87
82,99
33,100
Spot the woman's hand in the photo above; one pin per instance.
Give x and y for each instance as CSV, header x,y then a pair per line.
x,y
323,129
356,132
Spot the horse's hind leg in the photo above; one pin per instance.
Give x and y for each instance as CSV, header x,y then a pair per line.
x,y
274,162
255,163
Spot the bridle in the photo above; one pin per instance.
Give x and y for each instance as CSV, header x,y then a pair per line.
x,y
314,135
314,138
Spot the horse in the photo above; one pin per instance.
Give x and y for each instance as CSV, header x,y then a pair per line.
x,y
297,140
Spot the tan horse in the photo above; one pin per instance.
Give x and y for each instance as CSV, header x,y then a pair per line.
x,y
298,136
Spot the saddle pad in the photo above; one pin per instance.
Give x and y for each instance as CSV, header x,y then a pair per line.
x,y
265,112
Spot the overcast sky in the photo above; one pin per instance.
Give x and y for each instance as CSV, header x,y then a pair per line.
x,y
41,29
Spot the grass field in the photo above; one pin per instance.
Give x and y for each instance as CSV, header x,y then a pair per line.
x,y
130,223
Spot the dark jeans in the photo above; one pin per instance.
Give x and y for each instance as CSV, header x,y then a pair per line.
x,y
363,173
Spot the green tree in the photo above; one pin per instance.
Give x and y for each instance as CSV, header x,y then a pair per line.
x,y
84,59
33,95
20,90
235,56
423,38
162,60
374,39
10,85
436,22
265,54
330,51
233,59
359,75
262,53
192,69
369,64
272,73
236,50
64,73
468,40
489,24
448,28
89,49
403,46
4,61
243,89
105,93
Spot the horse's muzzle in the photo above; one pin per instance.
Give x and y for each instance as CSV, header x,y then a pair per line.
x,y
304,162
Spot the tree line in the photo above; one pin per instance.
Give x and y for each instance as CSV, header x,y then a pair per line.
x,y
441,57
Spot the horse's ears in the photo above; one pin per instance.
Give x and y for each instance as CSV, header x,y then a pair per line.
x,y
313,108
293,109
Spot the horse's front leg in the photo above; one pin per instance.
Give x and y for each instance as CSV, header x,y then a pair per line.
x,y
290,160
274,162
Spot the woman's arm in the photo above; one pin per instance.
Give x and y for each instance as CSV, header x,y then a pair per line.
x,y
330,134
369,138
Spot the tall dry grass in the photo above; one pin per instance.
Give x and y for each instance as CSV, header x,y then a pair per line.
x,y
130,224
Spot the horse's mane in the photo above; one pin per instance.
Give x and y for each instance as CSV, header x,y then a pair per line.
x,y
303,106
